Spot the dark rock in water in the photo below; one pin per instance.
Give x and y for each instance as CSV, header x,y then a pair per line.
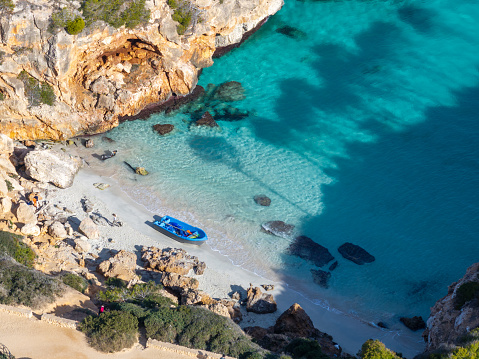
x,y
382,325
305,248
262,200
278,228
228,113
163,129
292,32
107,139
321,277
333,266
355,253
229,91
207,120
414,323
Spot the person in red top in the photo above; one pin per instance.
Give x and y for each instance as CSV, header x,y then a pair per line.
x,y
102,310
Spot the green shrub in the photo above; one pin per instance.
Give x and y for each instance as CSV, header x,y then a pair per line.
x,y
6,6
111,331
198,328
12,246
134,13
2,96
374,349
76,282
157,301
116,282
76,26
184,13
465,293
117,291
61,18
19,285
305,348
134,309
471,351
36,92
9,185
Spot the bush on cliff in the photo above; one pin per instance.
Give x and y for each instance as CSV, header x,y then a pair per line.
x,y
22,286
374,349
118,292
12,246
465,293
74,27
133,14
185,13
6,7
111,331
75,281
305,348
36,92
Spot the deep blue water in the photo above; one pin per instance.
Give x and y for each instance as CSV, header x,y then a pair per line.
x,y
361,129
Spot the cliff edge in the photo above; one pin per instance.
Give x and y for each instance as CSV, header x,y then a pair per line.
x,y
54,85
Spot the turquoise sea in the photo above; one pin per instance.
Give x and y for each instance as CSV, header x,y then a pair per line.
x,y
362,127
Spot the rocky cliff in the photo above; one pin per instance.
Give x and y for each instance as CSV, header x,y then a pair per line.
x,y
455,315
104,73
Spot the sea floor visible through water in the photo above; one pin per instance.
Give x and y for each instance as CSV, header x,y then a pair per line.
x,y
361,128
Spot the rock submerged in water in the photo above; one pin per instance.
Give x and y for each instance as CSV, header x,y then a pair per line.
x,y
262,200
414,323
229,91
206,120
305,248
278,228
321,277
355,253
163,129
291,32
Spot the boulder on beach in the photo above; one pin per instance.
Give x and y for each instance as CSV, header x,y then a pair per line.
x,y
278,228
163,129
25,213
178,283
305,248
294,322
262,200
122,265
355,253
173,260
259,302
30,229
57,231
89,228
52,166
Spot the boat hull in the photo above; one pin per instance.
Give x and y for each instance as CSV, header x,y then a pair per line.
x,y
180,231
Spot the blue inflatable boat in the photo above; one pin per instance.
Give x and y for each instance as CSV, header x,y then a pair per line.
x,y
182,231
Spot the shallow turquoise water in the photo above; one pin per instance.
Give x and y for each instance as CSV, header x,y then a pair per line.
x,y
363,131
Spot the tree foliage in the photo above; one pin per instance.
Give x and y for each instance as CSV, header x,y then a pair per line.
x,y
75,281
12,246
109,11
74,27
374,349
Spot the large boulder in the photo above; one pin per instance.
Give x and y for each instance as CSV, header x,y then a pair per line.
x,y
89,228
6,165
262,200
122,265
52,166
172,260
163,129
178,283
30,229
453,316
82,245
278,228
25,213
5,205
415,323
305,248
259,302
57,230
355,253
6,144
294,322
206,120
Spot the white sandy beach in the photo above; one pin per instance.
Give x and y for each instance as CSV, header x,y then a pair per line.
x,y
349,332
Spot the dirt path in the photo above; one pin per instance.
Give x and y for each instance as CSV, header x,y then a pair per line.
x,y
33,339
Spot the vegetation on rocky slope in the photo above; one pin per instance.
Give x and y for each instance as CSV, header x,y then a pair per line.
x,y
35,91
6,7
141,305
374,349
12,246
185,13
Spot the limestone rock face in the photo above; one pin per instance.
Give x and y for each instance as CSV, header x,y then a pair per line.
x,y
89,228
82,245
295,322
104,73
449,320
177,282
259,302
5,205
52,166
6,144
122,265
